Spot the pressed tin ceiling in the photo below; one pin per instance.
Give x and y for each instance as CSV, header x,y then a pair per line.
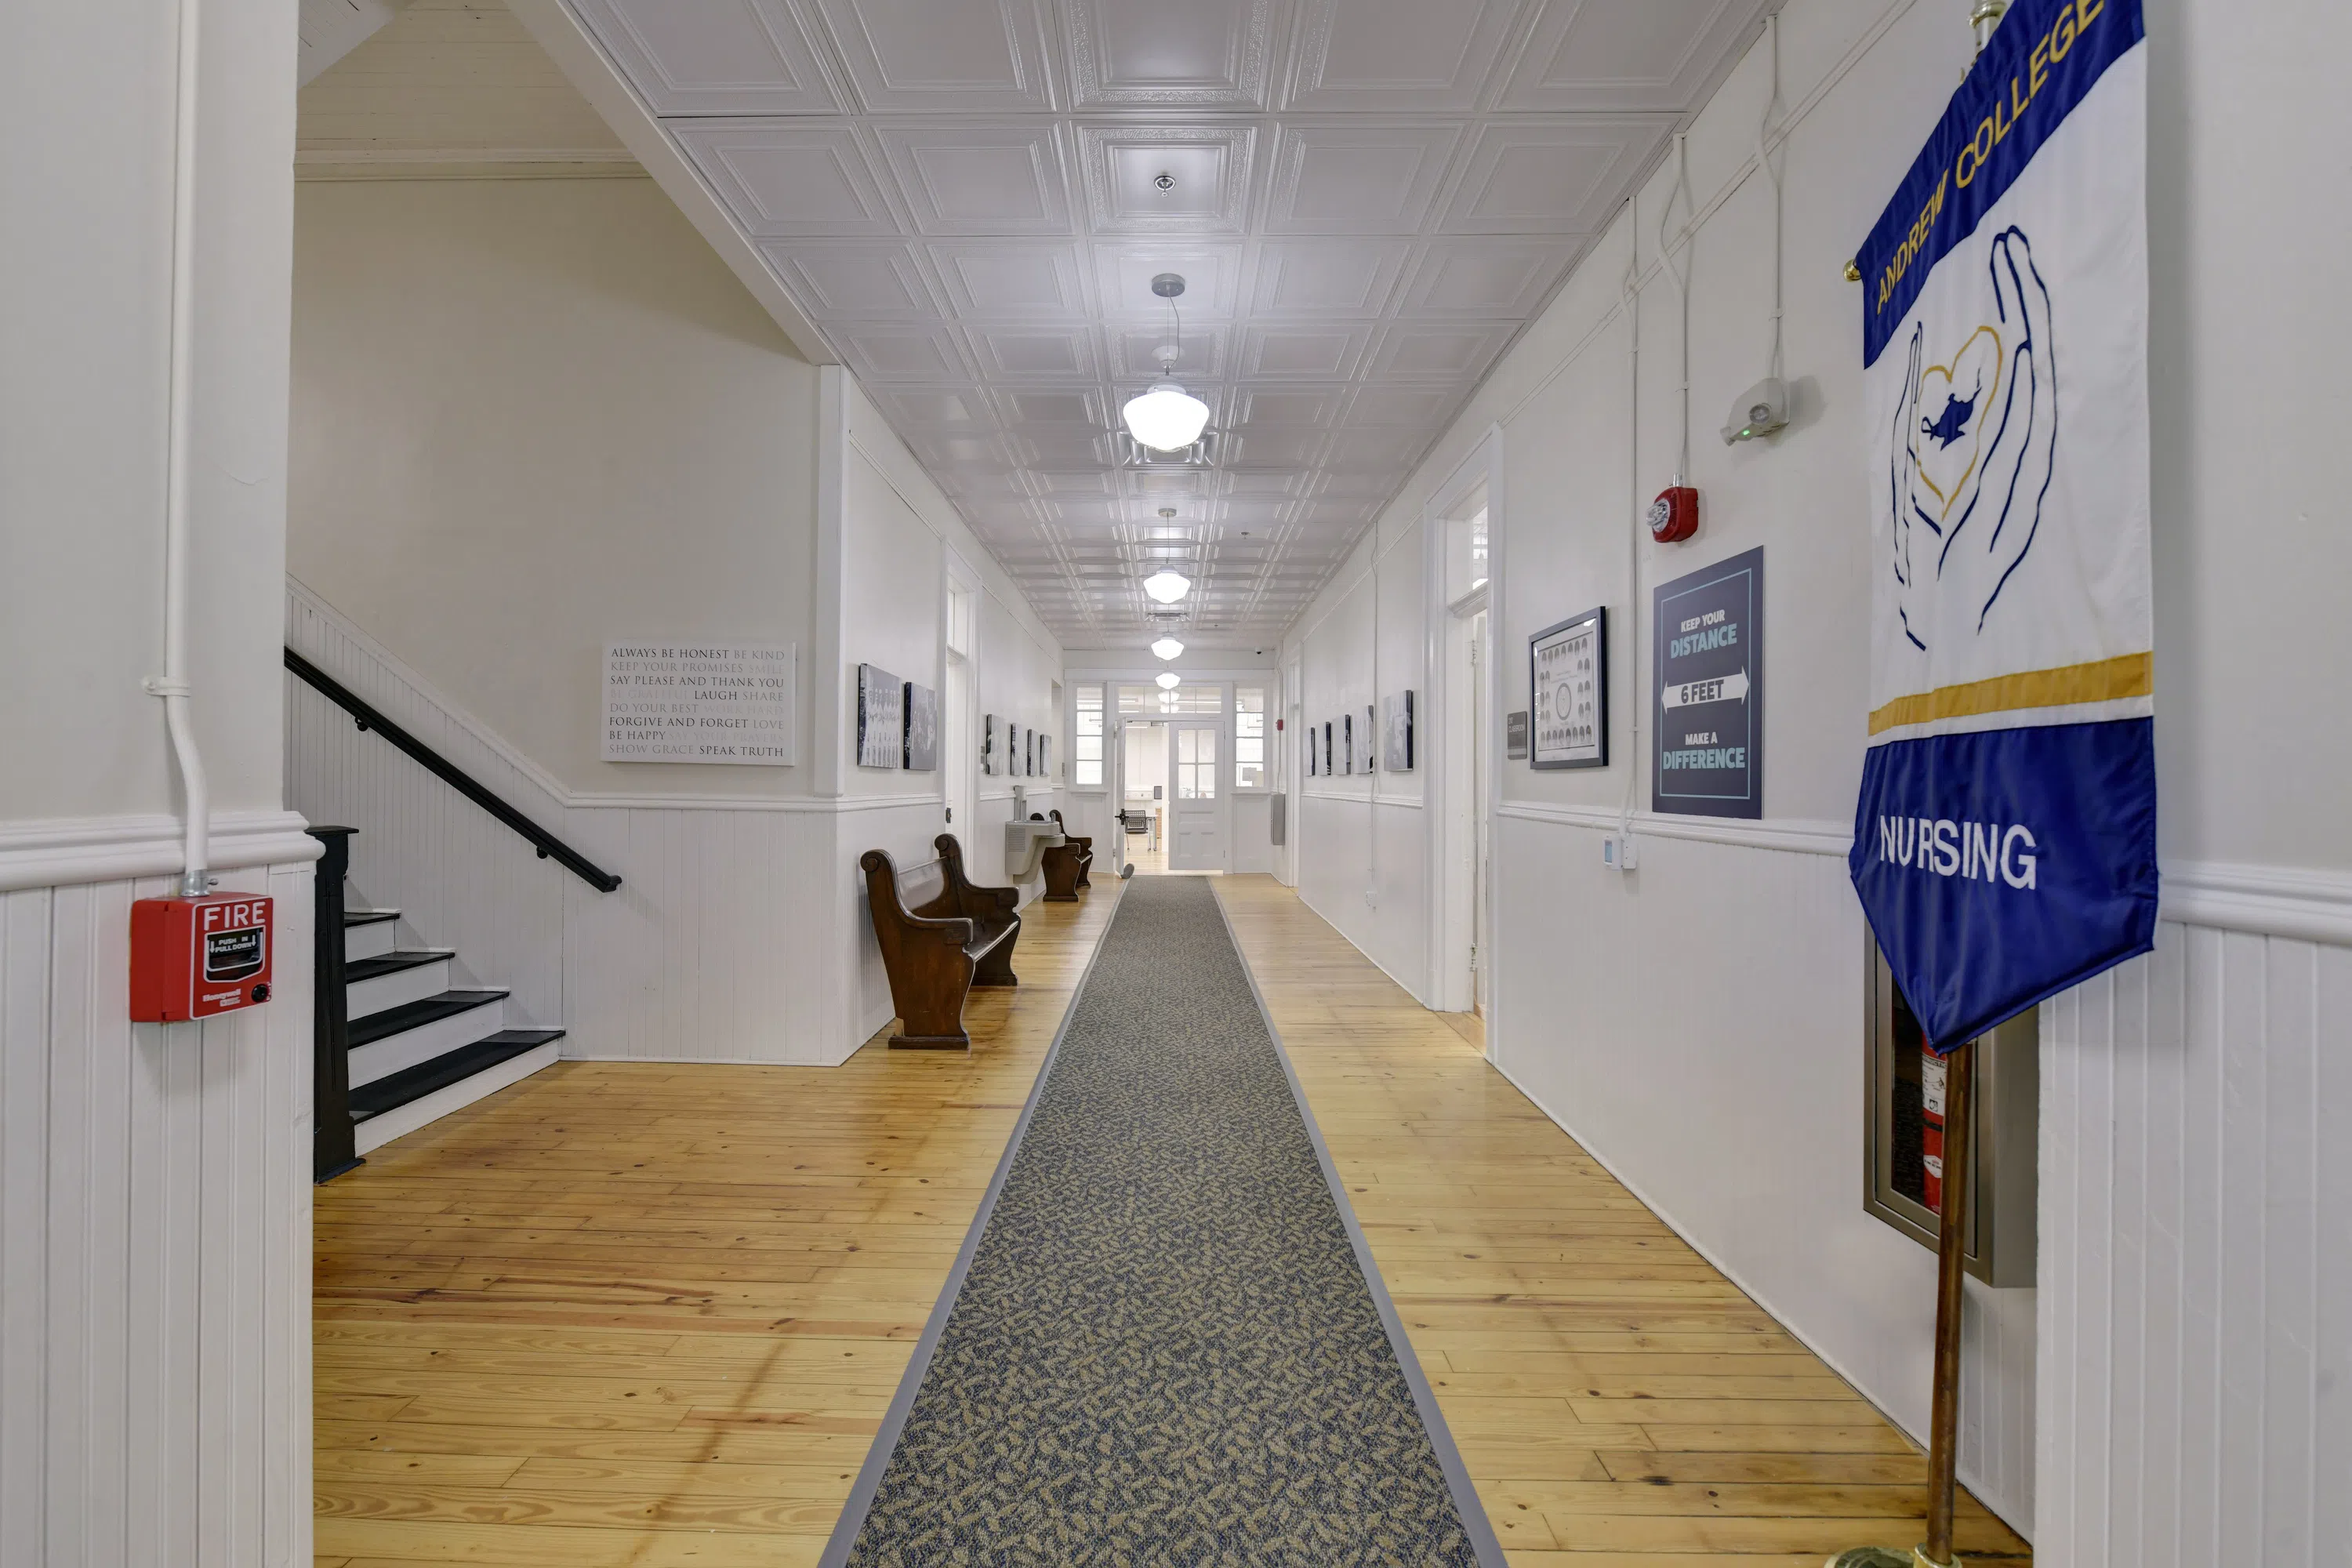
x,y
968,200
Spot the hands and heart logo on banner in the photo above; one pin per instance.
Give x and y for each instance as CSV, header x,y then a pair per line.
x,y
2005,836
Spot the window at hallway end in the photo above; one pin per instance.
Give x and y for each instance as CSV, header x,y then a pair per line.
x,y
1249,737
1087,771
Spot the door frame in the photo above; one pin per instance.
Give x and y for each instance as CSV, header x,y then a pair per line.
x,y
1452,988
1220,728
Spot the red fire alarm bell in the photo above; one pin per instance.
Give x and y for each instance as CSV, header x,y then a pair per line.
x,y
1674,516
198,958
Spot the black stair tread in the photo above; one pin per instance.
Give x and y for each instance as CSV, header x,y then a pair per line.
x,y
368,917
408,1016
357,969
452,1067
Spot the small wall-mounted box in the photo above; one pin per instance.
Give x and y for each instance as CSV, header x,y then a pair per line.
x,y
198,958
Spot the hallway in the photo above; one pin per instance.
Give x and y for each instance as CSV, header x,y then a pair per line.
x,y
575,1324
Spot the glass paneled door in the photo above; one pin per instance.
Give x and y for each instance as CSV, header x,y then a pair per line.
x,y
1196,839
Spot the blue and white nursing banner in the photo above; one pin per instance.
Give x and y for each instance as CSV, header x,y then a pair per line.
x,y
2005,840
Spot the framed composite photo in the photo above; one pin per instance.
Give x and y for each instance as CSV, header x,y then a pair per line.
x,y
1567,678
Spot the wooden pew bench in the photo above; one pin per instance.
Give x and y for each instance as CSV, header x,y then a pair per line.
x,y
1065,865
939,936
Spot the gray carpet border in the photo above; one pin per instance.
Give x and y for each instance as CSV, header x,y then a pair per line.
x,y
1480,1529
862,1491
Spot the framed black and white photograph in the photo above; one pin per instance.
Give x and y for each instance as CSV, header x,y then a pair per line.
x,y
1367,745
1014,758
1044,756
1314,761
881,717
1029,752
991,746
1327,747
1396,734
1348,743
1567,675
922,752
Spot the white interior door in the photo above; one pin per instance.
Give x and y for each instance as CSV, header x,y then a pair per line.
x,y
1196,806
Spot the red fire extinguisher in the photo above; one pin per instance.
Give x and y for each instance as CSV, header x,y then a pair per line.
x,y
1931,1132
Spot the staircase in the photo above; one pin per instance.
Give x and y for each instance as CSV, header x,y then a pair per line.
x,y
418,1048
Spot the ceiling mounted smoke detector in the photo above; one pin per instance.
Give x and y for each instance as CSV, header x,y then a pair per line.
x,y
1167,647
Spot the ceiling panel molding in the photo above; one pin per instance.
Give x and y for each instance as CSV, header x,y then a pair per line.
x,y
1626,54
1356,178
878,282
1013,279
1556,175
981,176
1206,169
714,56
943,57
1035,352
1212,276
1146,54
1315,279
883,353
1489,278
790,181
1387,56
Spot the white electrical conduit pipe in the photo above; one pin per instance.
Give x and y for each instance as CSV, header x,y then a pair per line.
x,y
1630,301
1764,163
1682,289
173,685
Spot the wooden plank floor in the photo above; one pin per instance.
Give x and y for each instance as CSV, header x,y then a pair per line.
x,y
1618,1401
631,1314
652,1315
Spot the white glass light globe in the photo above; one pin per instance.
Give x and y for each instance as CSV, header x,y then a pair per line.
x,y
1169,679
1167,418
1166,587
1167,647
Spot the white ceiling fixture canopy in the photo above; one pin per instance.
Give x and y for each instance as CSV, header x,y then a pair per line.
x,y
1167,418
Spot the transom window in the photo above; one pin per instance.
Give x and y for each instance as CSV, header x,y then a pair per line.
x,y
1136,701
1088,760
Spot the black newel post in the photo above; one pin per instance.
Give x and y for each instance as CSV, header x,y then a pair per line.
x,y
331,1152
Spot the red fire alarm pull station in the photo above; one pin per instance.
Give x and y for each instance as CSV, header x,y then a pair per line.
x,y
198,958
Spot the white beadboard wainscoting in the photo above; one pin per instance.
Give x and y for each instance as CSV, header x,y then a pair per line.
x,y
1360,867
154,1232
739,932
2197,1240
1697,1026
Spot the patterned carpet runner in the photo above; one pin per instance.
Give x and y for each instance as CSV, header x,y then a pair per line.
x,y
1163,1348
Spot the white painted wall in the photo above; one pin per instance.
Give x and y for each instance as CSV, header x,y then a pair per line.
x,y
535,416
2194,1317
155,1180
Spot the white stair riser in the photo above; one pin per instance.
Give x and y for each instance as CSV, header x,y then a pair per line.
x,y
378,1130
405,1049
372,939
397,989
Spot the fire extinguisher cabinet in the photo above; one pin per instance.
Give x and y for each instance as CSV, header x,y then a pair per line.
x,y
1903,1131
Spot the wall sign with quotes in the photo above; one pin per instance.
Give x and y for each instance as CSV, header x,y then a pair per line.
x,y
1567,673
1515,735
1706,714
701,703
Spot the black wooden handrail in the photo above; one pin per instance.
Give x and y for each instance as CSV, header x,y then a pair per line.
x,y
549,845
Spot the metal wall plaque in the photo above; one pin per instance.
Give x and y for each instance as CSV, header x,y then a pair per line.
x,y
1515,735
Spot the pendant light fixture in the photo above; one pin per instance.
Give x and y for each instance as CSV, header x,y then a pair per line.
x,y
1166,418
1167,647
1169,681
1166,586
